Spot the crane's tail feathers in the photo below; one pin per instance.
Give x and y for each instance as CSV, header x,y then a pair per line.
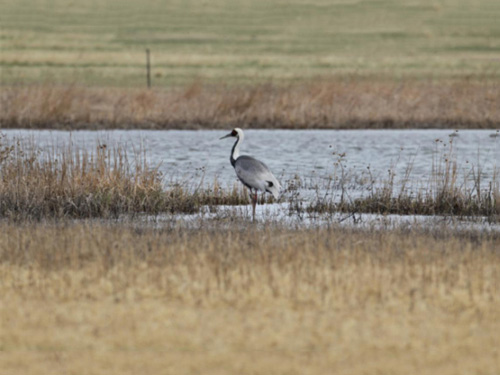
x,y
276,195
274,188
275,191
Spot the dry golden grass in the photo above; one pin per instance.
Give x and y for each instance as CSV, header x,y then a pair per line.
x,y
66,182
338,104
90,299
74,183
449,189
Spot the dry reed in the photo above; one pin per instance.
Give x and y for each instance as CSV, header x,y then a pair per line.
x,y
334,104
70,183
458,200
101,299
444,192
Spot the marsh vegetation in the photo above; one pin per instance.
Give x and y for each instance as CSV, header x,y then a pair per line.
x,y
446,191
318,104
68,182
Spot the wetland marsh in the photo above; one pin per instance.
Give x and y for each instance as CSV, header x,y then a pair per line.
x,y
126,242
321,171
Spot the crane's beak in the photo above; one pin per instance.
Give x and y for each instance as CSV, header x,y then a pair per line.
x,y
226,136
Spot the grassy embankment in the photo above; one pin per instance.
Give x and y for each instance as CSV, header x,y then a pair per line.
x,y
260,64
100,299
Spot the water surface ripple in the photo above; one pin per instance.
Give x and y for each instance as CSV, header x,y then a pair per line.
x,y
310,154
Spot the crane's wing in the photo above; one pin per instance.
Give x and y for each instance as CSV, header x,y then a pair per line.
x,y
256,175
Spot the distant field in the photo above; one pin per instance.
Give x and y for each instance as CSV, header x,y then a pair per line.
x,y
233,41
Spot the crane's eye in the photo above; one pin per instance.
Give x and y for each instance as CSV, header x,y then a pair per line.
x,y
234,133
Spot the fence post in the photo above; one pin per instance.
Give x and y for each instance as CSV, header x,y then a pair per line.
x,y
148,68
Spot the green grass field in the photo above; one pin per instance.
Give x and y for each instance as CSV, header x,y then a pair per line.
x,y
103,43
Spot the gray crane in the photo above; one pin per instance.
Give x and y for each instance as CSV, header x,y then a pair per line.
x,y
254,174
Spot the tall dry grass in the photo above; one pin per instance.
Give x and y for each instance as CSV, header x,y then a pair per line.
x,y
67,183
62,183
336,104
100,299
449,189
72,183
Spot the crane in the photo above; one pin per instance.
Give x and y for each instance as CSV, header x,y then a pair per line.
x,y
253,173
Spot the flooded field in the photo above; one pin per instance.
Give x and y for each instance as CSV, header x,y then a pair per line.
x,y
315,157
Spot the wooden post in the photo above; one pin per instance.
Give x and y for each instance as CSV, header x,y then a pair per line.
x,y
148,68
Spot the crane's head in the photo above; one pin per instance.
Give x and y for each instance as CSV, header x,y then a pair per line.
x,y
237,132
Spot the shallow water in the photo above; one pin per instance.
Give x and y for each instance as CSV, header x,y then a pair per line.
x,y
282,214
312,155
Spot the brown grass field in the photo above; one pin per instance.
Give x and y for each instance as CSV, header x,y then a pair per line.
x,y
334,104
99,299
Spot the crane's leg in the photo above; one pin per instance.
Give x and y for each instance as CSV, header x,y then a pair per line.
x,y
254,203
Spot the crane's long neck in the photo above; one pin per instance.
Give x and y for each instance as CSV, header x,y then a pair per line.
x,y
235,152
